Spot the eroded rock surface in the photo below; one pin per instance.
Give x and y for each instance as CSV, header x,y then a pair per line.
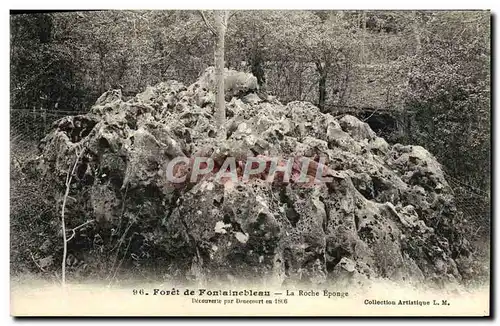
x,y
388,212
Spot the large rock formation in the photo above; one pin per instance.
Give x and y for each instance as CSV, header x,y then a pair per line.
x,y
388,212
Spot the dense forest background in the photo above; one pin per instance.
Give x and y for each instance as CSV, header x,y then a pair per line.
x,y
417,77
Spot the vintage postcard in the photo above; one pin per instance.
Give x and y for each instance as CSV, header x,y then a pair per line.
x,y
250,163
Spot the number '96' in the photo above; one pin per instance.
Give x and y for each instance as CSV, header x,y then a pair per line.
x,y
136,292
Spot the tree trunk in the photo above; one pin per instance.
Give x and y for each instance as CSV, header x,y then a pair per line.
x,y
256,67
363,51
220,104
322,92
323,71
102,79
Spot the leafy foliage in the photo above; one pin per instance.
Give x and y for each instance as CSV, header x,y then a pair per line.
x,y
449,87
42,71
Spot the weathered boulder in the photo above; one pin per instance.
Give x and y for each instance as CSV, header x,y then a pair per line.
x,y
387,213
236,83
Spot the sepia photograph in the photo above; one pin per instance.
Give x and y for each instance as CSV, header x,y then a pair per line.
x,y
250,163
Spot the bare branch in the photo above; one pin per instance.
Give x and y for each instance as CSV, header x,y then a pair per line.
x,y
69,177
118,250
210,28
225,18
231,16
72,236
375,111
78,227
124,255
34,260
